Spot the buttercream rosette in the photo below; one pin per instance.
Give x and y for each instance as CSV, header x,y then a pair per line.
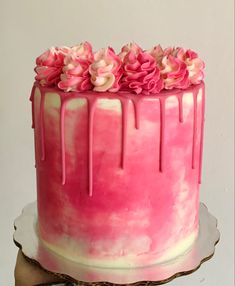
x,y
135,48
75,76
106,71
195,65
140,73
49,65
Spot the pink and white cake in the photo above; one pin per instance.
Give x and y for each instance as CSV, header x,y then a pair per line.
x,y
118,147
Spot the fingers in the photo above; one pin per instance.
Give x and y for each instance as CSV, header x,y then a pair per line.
x,y
29,274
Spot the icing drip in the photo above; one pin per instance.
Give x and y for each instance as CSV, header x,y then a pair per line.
x,y
136,104
33,122
124,104
32,101
162,134
195,93
42,126
180,101
63,164
202,135
91,110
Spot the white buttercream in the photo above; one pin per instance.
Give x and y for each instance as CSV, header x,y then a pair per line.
x,y
125,261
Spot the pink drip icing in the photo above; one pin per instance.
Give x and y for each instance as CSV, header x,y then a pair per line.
x,y
195,93
42,134
136,104
180,101
35,150
32,101
33,122
91,110
124,104
162,134
62,113
202,135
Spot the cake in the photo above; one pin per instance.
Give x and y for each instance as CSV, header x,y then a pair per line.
x,y
118,153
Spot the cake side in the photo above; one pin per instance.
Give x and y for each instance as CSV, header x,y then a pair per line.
x,y
118,175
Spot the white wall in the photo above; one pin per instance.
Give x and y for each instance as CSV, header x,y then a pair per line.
x,y
28,27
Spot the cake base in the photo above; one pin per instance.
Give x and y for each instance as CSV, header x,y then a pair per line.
x,y
26,238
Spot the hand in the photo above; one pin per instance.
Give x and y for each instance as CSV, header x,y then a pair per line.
x,y
29,274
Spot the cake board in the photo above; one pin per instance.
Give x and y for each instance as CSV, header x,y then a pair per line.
x,y
27,239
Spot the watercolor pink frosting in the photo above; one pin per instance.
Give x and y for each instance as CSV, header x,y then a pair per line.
x,y
98,211
134,70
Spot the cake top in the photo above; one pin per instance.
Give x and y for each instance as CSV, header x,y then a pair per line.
x,y
133,69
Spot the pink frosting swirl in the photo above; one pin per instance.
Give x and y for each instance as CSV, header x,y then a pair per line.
x,y
50,64
75,76
106,71
174,72
195,65
157,52
84,51
129,47
141,74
